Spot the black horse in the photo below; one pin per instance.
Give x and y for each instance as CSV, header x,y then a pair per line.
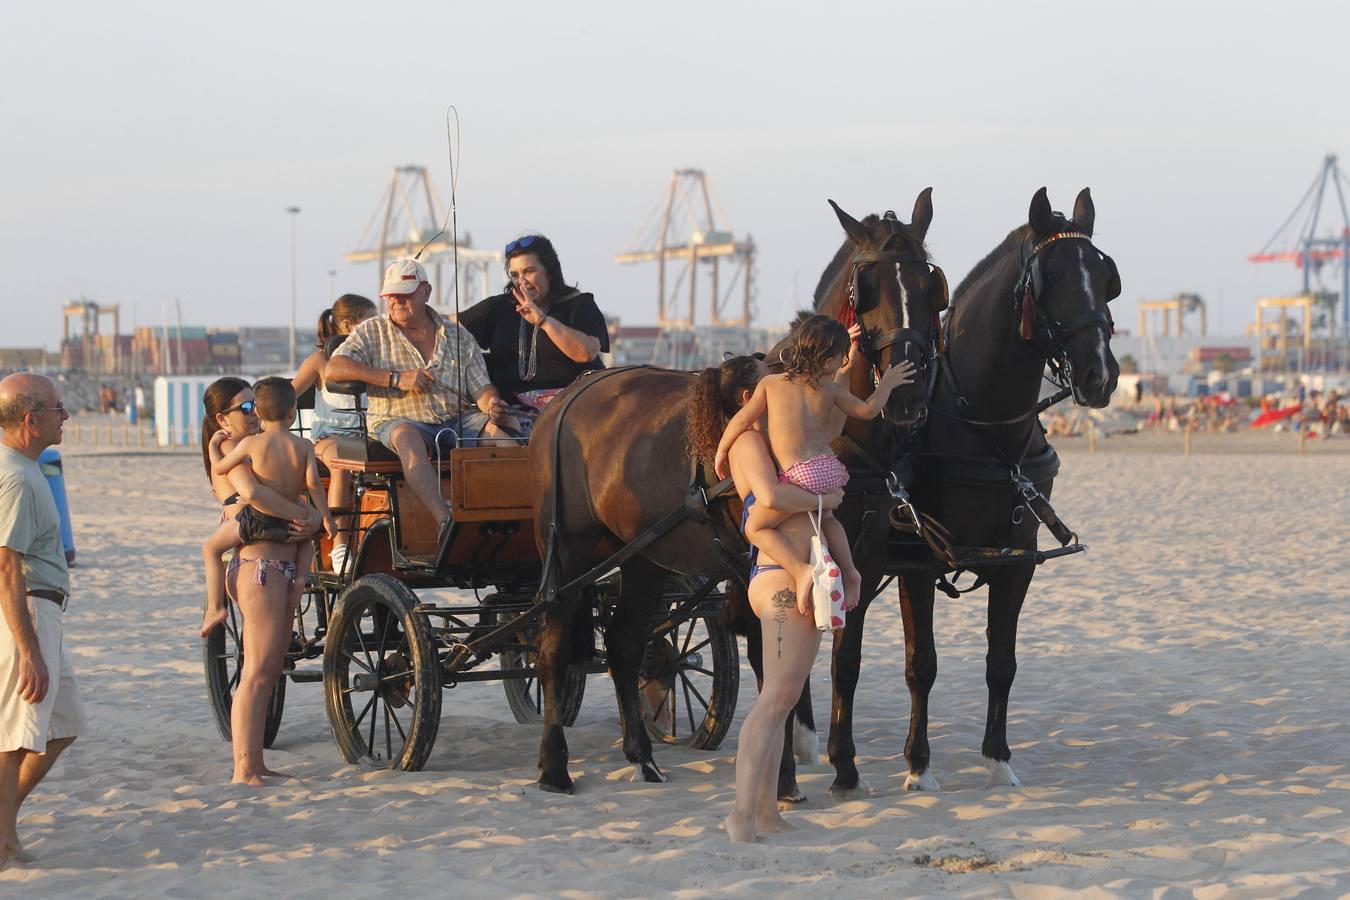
x,y
882,264
1040,298
608,460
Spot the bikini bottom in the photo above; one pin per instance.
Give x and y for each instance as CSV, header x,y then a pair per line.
x,y
284,566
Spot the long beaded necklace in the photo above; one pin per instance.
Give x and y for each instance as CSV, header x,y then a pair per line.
x,y
526,367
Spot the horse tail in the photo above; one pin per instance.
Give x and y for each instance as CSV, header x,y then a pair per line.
x,y
736,612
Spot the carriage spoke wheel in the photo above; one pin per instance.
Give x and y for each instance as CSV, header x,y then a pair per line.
x,y
381,676
223,659
525,696
690,679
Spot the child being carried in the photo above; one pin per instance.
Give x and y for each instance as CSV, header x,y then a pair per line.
x,y
799,404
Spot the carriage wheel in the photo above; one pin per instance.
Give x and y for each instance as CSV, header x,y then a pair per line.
x,y
525,696
381,676
699,666
223,658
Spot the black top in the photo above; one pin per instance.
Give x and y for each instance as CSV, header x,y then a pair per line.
x,y
495,324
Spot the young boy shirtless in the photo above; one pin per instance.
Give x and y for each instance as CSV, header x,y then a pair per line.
x,y
799,404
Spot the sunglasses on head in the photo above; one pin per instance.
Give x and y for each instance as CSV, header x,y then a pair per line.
x,y
521,243
246,408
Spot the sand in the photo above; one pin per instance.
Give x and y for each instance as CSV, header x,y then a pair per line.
x,y
1179,723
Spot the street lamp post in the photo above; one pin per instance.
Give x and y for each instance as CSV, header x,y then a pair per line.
x,y
292,211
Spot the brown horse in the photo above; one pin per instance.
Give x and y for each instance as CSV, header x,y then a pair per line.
x,y
608,460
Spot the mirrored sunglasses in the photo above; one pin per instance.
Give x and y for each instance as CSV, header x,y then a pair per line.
x,y
246,408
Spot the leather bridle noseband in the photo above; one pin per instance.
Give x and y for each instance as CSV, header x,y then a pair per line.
x,y
1036,326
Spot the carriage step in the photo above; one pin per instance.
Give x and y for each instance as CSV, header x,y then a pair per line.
x,y
306,676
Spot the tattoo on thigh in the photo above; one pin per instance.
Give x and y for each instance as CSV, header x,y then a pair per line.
x,y
782,602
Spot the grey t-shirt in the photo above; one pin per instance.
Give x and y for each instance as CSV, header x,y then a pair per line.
x,y
29,522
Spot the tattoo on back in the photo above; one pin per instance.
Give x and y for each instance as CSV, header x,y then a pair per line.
x,y
782,602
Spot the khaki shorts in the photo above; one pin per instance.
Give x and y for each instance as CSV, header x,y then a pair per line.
x,y
29,726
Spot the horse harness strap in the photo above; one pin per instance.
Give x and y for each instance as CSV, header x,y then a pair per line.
x,y
1022,472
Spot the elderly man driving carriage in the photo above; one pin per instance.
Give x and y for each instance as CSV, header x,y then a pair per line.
x,y
428,382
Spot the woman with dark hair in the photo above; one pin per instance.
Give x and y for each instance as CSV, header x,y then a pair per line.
x,y
541,333
790,639
230,414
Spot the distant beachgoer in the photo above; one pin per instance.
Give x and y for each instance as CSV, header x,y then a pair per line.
x,y
414,362
40,709
334,414
269,597
541,333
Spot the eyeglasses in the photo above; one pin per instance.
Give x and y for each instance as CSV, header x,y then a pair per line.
x,y
524,243
58,408
246,408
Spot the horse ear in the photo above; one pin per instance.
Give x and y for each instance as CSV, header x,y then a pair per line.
x,y
1083,212
852,227
922,216
1041,218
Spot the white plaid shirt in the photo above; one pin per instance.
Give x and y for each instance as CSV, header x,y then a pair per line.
x,y
379,343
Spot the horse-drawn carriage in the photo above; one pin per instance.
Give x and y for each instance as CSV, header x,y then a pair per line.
x,y
963,441
397,624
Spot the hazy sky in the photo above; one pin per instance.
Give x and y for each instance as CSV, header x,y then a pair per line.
x,y
150,149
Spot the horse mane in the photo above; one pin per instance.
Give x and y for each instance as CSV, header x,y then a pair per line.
x,y
837,264
1016,236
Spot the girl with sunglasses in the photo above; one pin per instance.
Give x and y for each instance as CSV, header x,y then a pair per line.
x,y
540,333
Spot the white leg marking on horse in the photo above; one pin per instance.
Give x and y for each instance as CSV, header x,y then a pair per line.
x,y
649,773
922,781
805,744
1000,773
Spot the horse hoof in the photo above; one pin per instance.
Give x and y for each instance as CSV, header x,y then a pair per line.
x,y
555,785
922,781
1000,773
788,800
843,794
649,773
805,745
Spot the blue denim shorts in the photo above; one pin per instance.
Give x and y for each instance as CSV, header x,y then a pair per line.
x,y
468,426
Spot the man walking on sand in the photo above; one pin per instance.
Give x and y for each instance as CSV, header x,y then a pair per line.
x,y
40,710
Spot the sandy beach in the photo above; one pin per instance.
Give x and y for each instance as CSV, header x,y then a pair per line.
x,y
1179,723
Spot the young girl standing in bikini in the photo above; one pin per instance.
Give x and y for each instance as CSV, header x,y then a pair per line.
x,y
799,403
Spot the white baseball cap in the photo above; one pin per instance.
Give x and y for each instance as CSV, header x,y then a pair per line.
x,y
403,276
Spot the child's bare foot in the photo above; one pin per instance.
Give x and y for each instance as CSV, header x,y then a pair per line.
x,y
806,586
273,773
213,618
772,823
852,589
739,829
252,779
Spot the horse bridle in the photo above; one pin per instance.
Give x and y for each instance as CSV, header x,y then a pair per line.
x,y
927,341
1038,327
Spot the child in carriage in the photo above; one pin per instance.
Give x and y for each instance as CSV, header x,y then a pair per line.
x,y
283,462
799,404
